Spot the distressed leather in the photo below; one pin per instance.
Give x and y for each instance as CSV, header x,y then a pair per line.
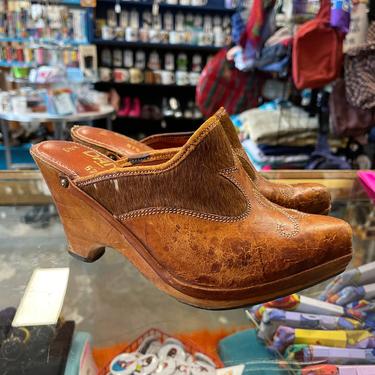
x,y
305,197
199,216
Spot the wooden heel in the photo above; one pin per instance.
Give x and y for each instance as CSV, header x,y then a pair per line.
x,y
86,229
94,254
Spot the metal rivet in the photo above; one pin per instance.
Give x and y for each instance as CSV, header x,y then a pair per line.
x,y
64,182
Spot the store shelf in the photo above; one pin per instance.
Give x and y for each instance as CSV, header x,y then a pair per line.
x,y
145,85
11,39
25,81
158,46
38,42
58,2
16,64
177,7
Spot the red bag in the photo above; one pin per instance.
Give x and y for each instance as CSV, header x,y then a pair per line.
x,y
220,85
317,51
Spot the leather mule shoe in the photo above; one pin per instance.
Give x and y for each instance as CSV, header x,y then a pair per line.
x,y
195,225
306,197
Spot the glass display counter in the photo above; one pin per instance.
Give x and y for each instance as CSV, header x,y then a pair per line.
x,y
110,299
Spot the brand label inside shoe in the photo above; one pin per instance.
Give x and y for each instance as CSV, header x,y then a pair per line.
x,y
98,160
138,159
43,299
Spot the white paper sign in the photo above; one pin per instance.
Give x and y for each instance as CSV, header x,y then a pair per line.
x,y
43,299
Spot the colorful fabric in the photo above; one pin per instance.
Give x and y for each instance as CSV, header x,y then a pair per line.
x,y
273,318
221,85
286,336
320,370
238,27
341,356
347,295
298,303
257,21
364,274
289,302
338,370
340,14
362,310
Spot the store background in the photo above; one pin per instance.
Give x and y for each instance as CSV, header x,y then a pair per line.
x,y
151,85
147,59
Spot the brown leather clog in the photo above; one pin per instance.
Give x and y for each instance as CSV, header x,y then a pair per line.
x,y
195,225
306,197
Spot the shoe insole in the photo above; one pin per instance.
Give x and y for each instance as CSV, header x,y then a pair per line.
x,y
114,142
74,159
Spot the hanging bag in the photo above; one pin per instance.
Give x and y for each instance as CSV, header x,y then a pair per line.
x,y
348,121
221,85
317,51
360,73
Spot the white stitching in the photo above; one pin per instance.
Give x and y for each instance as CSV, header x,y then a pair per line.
x,y
48,159
213,217
280,227
105,145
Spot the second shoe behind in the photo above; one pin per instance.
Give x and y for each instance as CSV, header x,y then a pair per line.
x,y
305,197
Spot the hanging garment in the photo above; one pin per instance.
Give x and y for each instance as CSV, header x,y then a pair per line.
x,y
221,85
300,11
258,27
340,14
358,26
274,57
347,120
283,35
359,73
